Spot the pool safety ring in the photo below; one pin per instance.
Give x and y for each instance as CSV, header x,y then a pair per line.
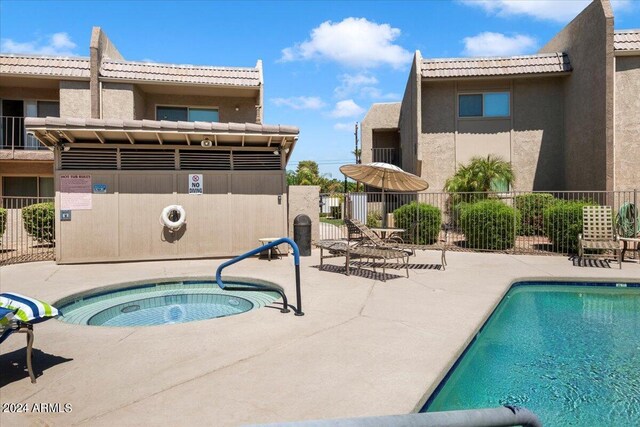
x,y
173,217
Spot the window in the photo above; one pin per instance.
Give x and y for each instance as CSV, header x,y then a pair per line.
x,y
489,104
48,109
187,114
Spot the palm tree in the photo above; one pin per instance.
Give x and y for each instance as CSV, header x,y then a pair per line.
x,y
481,175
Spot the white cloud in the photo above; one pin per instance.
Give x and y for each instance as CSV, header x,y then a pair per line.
x,y
376,93
344,126
347,108
59,44
351,83
354,42
497,44
362,85
553,10
300,102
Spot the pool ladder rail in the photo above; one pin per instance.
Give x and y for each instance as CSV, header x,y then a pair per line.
x,y
296,258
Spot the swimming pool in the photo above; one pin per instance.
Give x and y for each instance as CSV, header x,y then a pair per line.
x,y
568,352
158,303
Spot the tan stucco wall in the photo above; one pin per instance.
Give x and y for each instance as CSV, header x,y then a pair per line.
x,y
531,139
537,145
627,123
75,99
236,209
437,138
118,101
588,100
305,199
23,93
226,106
410,118
379,116
138,103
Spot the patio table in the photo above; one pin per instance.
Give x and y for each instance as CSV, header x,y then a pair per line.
x,y
382,232
635,241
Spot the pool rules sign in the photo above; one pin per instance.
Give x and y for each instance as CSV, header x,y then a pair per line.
x,y
195,183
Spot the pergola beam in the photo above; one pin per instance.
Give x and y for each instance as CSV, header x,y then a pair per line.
x,y
130,137
186,136
159,138
99,136
66,136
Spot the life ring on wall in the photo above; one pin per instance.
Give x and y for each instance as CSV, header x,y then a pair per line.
x,y
173,217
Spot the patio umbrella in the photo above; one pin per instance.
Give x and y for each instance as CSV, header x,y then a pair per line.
x,y
386,177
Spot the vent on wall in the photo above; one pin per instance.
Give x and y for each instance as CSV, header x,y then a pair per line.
x,y
256,161
205,160
80,158
147,159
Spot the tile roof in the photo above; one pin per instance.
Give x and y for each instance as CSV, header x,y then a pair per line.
x,y
626,40
159,125
76,67
495,66
224,76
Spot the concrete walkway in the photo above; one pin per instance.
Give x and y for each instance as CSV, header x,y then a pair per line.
x,y
364,347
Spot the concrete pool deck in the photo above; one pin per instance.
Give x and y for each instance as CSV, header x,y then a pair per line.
x,y
364,347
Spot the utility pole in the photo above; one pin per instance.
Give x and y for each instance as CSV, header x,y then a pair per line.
x,y
357,153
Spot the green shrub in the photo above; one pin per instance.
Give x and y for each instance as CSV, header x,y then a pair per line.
x,y
422,222
374,219
489,224
531,207
3,222
563,223
39,221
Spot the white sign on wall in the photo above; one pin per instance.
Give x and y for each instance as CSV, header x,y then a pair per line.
x,y
75,192
195,183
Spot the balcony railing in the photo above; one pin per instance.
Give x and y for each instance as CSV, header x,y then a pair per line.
x,y
387,155
14,137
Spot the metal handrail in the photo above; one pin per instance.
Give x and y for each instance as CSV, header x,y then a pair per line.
x,y
268,246
13,135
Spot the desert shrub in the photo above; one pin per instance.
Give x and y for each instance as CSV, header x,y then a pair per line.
x,y
422,222
39,221
489,224
3,221
374,219
531,207
563,223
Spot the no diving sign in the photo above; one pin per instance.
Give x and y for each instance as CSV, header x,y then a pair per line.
x,y
195,183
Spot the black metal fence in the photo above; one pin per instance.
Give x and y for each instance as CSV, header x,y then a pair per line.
x,y
510,222
27,229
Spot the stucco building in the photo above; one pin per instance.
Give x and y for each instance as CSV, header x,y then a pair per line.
x,y
137,135
567,118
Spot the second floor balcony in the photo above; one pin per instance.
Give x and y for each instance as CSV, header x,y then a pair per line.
x,y
16,144
387,155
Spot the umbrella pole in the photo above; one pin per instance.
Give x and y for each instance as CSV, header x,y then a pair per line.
x,y
384,207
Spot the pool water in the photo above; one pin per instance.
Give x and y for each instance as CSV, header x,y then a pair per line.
x,y
569,353
162,303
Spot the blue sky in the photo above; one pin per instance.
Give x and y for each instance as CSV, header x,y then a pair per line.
x,y
324,62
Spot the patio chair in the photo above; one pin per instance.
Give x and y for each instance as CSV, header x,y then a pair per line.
x,y
371,238
338,248
598,233
19,313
